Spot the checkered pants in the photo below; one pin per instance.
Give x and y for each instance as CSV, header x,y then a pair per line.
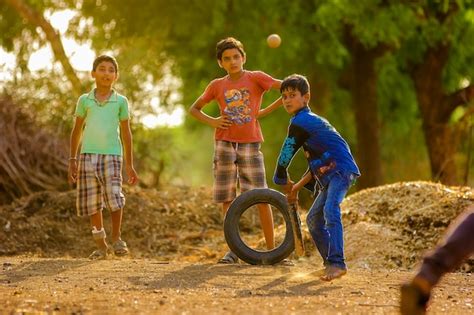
x,y
99,183
237,163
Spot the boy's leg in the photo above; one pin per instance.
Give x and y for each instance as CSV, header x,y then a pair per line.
x,y
337,189
225,182
90,202
225,207
119,247
459,244
229,257
98,230
317,225
266,220
116,224
251,170
110,172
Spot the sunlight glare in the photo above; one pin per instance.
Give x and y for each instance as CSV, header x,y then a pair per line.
x,y
7,65
41,59
164,118
300,275
80,56
60,19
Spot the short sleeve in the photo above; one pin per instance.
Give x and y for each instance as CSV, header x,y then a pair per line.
x,y
80,107
123,110
209,92
264,80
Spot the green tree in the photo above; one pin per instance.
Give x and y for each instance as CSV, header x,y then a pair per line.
x,y
439,58
32,12
368,63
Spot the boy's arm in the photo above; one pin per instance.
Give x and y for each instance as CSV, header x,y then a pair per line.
x,y
126,135
195,110
270,108
293,194
74,141
276,85
293,142
307,177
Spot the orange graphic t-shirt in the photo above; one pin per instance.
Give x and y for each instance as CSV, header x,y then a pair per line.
x,y
240,100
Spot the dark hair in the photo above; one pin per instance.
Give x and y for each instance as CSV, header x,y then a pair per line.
x,y
103,58
295,82
229,43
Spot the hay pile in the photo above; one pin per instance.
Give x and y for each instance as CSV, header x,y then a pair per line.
x,y
32,157
385,227
392,226
169,224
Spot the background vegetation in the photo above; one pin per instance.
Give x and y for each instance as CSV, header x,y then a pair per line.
x,y
394,77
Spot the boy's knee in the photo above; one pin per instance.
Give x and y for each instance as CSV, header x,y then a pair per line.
x,y
333,221
98,234
332,212
312,222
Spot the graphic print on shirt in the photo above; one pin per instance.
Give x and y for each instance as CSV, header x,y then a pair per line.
x,y
287,151
238,105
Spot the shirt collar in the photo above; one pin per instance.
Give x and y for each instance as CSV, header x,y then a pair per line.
x,y
302,110
113,97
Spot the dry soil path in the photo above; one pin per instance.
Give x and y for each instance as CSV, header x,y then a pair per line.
x,y
145,286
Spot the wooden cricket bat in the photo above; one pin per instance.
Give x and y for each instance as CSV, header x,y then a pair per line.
x,y
296,226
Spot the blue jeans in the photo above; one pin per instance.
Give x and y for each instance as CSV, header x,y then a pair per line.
x,y
324,219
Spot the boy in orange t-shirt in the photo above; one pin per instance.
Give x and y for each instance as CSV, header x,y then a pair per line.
x,y
238,137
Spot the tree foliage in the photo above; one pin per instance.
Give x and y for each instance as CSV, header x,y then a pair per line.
x,y
360,57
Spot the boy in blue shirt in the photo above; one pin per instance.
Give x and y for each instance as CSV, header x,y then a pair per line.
x,y
331,168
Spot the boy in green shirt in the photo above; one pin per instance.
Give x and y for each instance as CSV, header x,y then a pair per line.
x,y
99,115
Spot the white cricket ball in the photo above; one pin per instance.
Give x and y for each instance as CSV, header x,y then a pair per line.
x,y
273,40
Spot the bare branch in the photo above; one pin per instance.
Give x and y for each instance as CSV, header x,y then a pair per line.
x,y
53,37
460,97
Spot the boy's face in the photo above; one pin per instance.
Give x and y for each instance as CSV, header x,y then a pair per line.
x,y
232,61
105,74
293,101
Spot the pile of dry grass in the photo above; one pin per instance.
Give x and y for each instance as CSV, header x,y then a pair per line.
x,y
385,227
31,158
394,225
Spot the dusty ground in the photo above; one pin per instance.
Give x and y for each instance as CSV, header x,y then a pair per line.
x,y
148,286
176,236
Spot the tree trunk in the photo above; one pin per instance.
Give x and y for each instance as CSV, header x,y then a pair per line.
x,y
363,87
320,93
37,19
436,109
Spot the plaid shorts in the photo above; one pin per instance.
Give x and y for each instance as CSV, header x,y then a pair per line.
x,y
99,183
234,163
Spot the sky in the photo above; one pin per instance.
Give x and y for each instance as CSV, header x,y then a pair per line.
x,y
81,57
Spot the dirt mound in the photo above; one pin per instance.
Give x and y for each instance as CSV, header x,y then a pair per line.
x,y
393,225
171,224
385,227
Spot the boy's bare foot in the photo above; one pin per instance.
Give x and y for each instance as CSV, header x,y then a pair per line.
x,y
414,297
319,272
333,272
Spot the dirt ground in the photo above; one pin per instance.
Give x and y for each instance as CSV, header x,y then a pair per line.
x,y
148,286
175,236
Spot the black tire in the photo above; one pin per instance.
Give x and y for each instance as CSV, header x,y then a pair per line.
x,y
232,230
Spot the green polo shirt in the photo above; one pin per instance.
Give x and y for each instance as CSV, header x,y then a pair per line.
x,y
102,122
